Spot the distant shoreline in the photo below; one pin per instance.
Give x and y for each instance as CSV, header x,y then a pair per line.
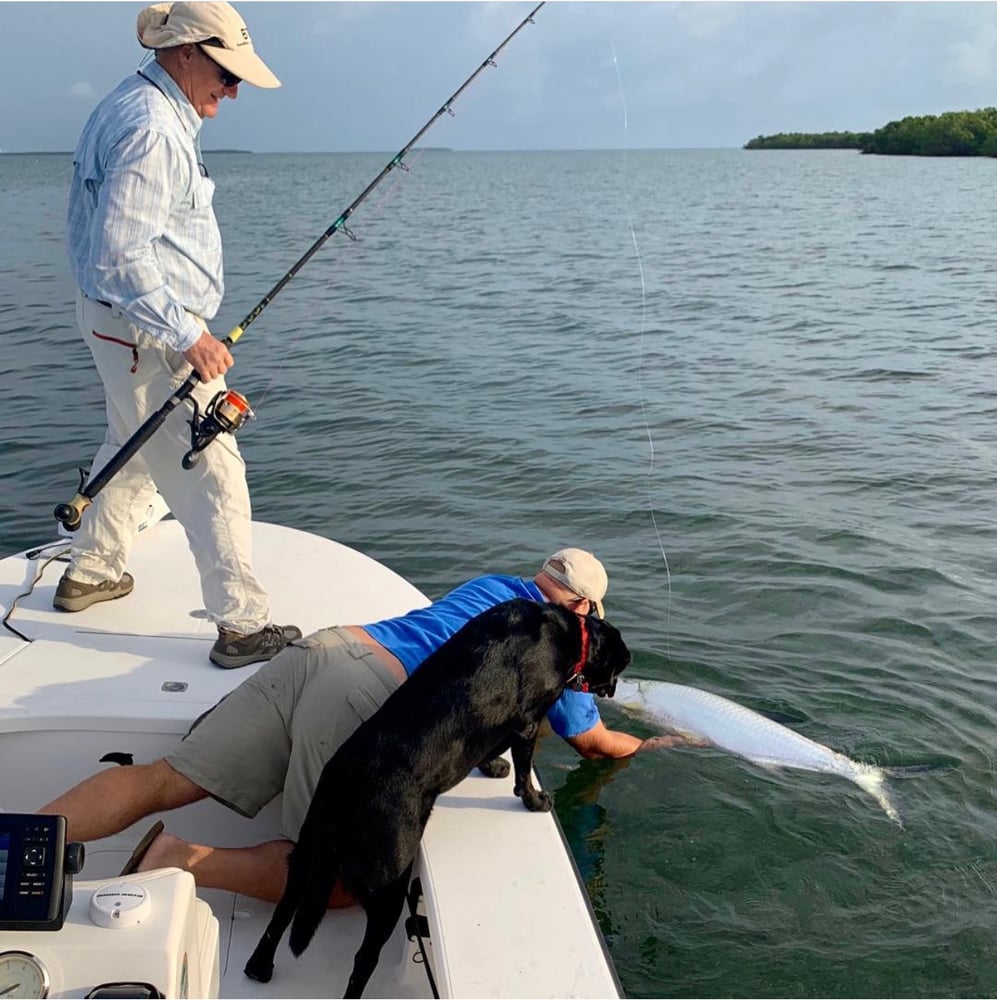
x,y
69,152
243,152
954,133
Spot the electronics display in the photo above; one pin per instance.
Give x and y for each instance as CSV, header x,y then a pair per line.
x,y
147,936
33,889
4,855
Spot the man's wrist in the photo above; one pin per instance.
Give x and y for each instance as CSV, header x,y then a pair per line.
x,y
190,334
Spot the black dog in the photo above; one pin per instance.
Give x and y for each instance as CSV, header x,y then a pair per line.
x,y
486,689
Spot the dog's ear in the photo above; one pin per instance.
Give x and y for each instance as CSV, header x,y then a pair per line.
x,y
608,656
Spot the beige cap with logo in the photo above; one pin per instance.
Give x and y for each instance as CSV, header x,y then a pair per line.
x,y
581,572
215,24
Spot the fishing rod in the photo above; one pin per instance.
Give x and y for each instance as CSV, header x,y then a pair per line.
x,y
229,410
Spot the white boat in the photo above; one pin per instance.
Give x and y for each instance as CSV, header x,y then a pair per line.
x,y
502,907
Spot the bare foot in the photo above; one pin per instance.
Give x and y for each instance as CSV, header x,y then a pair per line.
x,y
167,851
259,871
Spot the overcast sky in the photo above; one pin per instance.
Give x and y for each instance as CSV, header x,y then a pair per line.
x,y
366,76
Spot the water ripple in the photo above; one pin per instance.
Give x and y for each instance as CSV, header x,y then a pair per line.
x,y
792,398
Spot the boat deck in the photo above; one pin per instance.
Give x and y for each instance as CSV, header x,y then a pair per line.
x,y
506,913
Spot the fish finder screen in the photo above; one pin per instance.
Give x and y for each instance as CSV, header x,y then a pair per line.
x,y
4,860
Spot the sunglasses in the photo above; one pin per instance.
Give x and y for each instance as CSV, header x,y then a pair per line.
x,y
226,78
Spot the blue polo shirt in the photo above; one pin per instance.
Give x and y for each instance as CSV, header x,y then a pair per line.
x,y
412,637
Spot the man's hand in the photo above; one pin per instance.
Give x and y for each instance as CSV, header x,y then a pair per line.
x,y
674,740
209,356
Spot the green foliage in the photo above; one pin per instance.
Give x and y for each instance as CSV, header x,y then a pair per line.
x,y
809,140
954,133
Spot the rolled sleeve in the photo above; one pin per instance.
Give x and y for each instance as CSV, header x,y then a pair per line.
x,y
574,713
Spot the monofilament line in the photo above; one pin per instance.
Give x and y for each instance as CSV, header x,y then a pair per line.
x,y
640,352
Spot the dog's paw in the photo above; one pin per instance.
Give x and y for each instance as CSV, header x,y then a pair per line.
x,y
537,801
498,767
259,969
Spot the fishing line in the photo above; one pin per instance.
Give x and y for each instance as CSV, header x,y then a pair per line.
x,y
406,168
640,351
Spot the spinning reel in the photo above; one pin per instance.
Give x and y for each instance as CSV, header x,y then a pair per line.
x,y
226,413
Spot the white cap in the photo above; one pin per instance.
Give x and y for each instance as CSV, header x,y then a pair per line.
x,y
580,572
216,25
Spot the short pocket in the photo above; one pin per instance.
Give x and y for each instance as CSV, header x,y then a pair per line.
x,y
132,348
363,702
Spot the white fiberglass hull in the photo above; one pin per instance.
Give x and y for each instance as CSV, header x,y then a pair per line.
x,y
506,913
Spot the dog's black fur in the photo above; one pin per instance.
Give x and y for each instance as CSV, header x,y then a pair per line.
x,y
486,689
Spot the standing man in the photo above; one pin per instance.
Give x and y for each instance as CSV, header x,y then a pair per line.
x,y
146,254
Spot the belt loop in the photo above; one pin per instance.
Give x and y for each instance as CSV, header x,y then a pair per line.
x,y
100,302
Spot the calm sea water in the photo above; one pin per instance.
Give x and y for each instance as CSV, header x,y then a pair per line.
x,y
761,386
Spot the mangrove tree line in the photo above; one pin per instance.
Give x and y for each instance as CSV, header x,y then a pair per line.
x,y
953,133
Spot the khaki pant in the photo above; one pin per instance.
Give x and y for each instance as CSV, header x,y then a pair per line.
x,y
211,501
276,730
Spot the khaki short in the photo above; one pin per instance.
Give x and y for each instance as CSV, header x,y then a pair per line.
x,y
276,730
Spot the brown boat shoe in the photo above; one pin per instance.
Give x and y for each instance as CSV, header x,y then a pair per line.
x,y
234,650
72,595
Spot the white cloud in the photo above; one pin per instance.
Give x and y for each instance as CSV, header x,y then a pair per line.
x,y
338,17
365,75
972,61
704,20
82,91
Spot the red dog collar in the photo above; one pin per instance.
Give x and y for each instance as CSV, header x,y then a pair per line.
x,y
577,681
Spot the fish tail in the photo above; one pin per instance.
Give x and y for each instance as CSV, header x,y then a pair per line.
x,y
873,780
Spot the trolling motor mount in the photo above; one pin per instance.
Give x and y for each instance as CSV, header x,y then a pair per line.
x,y
226,413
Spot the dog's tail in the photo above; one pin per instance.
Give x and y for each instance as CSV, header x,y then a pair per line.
x,y
317,885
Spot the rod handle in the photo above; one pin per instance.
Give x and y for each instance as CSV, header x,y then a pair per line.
x,y
70,514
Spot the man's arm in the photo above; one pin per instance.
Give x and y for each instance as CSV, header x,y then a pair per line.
x,y
134,202
600,743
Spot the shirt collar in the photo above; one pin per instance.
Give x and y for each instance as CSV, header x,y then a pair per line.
x,y
189,118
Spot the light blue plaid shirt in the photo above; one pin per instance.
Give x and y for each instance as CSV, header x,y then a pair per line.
x,y
141,230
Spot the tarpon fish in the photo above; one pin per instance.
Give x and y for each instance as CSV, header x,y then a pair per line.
x,y
693,712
